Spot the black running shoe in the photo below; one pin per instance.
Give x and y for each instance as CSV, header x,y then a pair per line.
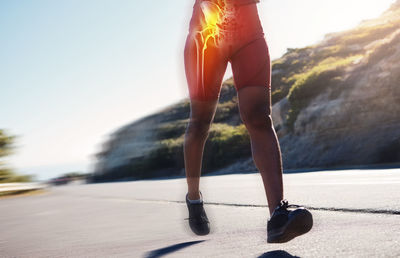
x,y
288,222
198,220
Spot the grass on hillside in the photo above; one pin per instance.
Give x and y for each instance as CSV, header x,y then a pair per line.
x,y
309,84
225,144
21,193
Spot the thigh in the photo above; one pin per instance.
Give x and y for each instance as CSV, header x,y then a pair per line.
x,y
204,69
251,65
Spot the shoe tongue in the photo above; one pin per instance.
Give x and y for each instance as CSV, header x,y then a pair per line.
x,y
279,210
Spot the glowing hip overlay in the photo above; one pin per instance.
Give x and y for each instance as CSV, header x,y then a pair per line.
x,y
215,14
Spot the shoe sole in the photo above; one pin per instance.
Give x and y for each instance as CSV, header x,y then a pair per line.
x,y
298,226
200,233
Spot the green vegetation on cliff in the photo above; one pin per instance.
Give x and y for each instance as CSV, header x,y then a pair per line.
x,y
6,174
304,73
308,85
300,79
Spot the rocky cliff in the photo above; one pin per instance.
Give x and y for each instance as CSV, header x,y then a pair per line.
x,y
336,103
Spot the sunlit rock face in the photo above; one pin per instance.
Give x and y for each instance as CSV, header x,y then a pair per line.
x,y
335,104
126,144
356,119
133,142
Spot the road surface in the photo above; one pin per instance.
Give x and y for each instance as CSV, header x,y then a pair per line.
x,y
356,214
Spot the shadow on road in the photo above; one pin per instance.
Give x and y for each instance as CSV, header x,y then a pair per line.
x,y
169,249
277,254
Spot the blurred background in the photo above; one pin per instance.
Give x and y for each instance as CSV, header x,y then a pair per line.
x,y
94,107
96,89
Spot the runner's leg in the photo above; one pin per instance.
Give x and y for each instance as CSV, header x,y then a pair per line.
x,y
201,116
255,112
252,75
204,76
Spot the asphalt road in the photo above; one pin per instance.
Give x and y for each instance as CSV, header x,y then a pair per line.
x,y
356,214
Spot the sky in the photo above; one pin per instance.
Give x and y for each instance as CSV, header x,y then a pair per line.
x,y
72,71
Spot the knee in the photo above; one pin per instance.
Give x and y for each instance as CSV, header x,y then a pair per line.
x,y
256,119
198,128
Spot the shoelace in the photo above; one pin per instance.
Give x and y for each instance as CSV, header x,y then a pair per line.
x,y
285,204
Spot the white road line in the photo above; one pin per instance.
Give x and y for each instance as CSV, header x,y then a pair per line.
x,y
347,183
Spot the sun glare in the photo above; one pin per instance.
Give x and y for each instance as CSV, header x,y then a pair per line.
x,y
292,23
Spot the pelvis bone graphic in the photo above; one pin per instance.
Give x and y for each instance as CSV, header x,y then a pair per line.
x,y
214,15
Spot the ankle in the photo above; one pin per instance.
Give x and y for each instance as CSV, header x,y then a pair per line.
x,y
194,195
